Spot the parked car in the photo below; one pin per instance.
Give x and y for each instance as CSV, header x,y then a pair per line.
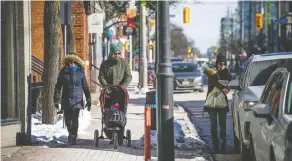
x,y
176,59
271,128
248,90
187,77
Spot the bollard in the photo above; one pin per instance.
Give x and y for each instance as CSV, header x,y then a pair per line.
x,y
147,132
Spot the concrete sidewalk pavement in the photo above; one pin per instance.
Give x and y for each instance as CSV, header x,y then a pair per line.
x,y
85,151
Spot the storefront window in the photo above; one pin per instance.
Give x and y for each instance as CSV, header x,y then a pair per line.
x,y
9,60
4,96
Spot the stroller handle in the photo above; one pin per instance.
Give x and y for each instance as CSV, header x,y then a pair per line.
x,y
103,94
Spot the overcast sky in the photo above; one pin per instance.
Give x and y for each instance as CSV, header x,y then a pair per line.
x,y
205,21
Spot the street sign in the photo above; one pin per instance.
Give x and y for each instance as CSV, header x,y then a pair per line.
x,y
95,23
66,12
131,12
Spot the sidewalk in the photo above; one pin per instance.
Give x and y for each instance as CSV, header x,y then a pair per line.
x,y
85,151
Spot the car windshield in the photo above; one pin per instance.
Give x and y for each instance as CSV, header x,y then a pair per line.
x,y
288,103
176,59
260,71
150,67
184,67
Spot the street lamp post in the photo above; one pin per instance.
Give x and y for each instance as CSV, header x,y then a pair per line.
x,y
164,86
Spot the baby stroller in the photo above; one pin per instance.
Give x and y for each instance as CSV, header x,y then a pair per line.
x,y
113,102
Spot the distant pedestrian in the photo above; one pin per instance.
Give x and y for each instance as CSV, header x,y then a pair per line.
x,y
215,75
72,80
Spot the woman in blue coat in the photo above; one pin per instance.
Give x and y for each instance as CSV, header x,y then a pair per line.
x,y
72,80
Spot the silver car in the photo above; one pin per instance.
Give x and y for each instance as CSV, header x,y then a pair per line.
x,y
187,76
248,91
271,128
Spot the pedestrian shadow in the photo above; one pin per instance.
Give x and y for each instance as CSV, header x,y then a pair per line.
x,y
105,146
137,101
202,125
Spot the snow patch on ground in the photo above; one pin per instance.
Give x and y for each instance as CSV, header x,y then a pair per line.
x,y
184,139
56,134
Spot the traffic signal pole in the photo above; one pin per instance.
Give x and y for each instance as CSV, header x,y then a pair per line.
x,y
164,88
143,45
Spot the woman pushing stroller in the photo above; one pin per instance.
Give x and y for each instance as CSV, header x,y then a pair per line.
x,y
114,77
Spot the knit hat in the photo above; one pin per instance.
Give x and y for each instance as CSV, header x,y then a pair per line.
x,y
221,59
114,48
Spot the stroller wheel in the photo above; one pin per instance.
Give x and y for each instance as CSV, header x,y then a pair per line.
x,y
116,139
96,138
128,135
121,138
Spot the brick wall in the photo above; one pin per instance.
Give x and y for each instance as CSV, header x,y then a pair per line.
x,y
80,24
80,28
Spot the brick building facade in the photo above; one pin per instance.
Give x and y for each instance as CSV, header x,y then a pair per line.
x,y
80,28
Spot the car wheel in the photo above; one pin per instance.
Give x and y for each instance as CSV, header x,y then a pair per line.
x,y
236,143
252,152
244,150
272,156
201,90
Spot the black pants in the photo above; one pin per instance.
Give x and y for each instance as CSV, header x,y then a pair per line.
x,y
222,123
71,120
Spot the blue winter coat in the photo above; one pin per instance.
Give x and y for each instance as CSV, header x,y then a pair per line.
x,y
74,83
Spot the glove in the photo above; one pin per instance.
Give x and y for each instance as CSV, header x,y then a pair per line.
x,y
57,105
108,91
88,105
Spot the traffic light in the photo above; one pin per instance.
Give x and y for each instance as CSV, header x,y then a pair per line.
x,y
126,45
130,22
152,23
186,15
259,20
189,49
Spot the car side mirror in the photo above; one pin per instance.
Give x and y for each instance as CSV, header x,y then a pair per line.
x,y
234,84
262,110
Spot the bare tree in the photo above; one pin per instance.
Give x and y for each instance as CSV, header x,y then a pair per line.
x,y
179,42
51,58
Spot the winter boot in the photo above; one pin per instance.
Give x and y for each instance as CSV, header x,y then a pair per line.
x,y
215,145
69,138
73,139
223,147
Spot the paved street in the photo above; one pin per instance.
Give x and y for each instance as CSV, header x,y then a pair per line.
x,y
85,151
193,103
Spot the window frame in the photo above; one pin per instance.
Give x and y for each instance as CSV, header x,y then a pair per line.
x,y
287,92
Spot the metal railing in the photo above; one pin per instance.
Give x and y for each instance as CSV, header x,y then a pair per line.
x,y
93,81
37,66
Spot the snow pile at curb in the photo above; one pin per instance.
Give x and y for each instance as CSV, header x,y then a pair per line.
x,y
55,134
183,138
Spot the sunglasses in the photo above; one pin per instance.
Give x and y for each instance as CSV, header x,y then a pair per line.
x,y
117,53
222,63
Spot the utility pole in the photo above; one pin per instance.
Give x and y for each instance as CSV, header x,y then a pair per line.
x,y
143,45
249,30
164,86
131,53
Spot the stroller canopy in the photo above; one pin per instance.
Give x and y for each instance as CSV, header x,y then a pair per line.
x,y
117,91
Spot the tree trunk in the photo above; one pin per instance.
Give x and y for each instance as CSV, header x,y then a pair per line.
x,y
70,38
51,58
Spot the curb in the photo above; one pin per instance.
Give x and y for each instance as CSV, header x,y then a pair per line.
x,y
192,128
